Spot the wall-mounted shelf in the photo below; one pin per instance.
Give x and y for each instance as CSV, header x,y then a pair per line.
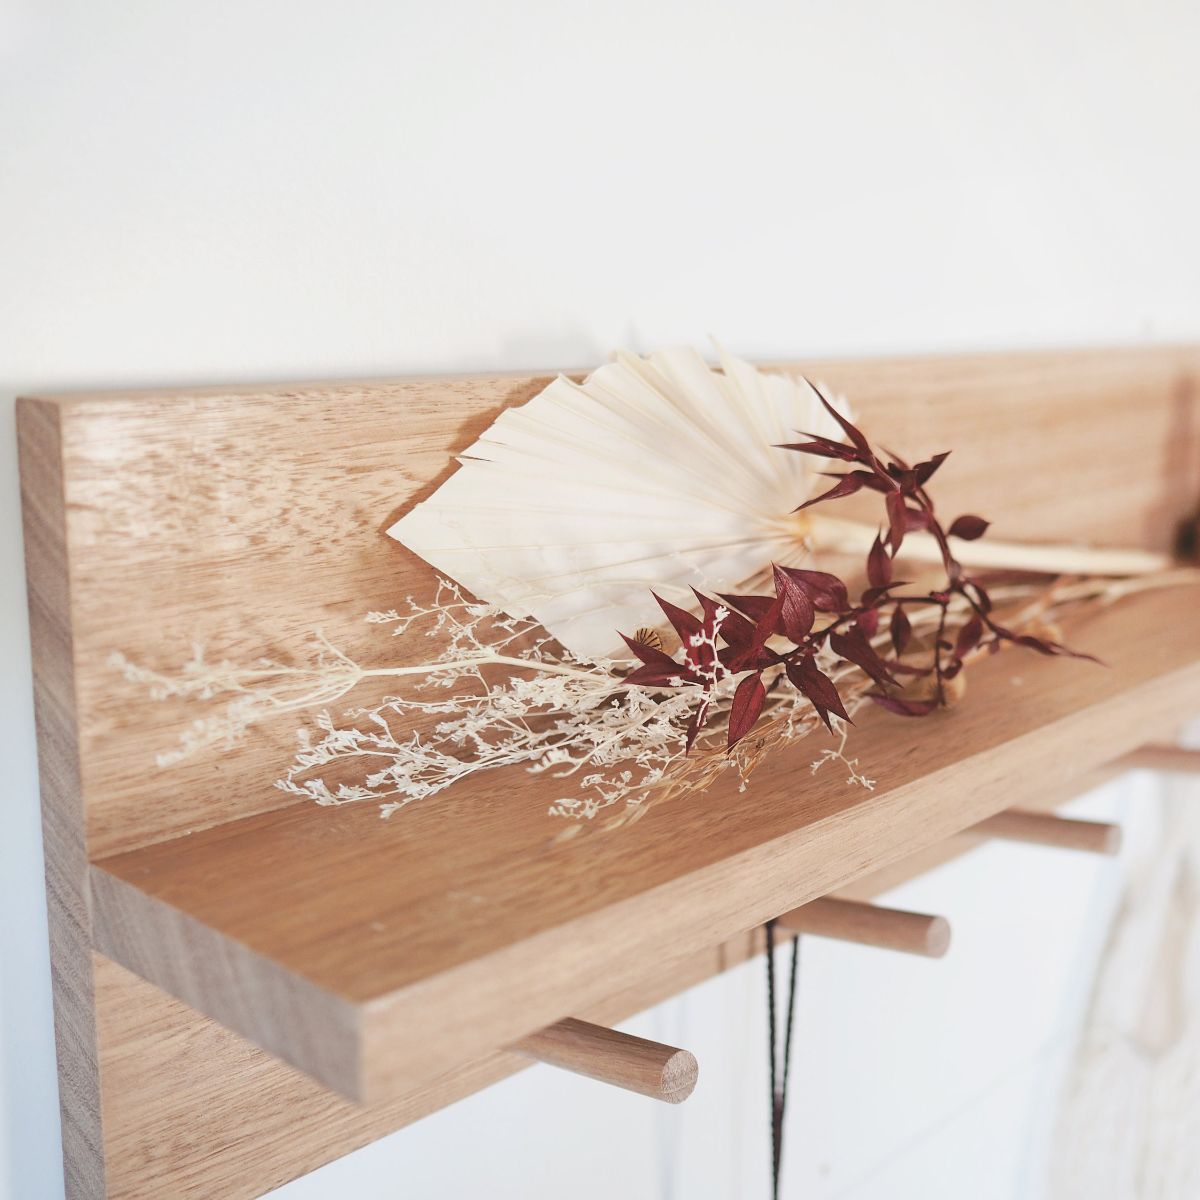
x,y
397,962
349,945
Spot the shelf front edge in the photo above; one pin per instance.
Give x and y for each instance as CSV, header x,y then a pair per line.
x,y
280,1011
371,1042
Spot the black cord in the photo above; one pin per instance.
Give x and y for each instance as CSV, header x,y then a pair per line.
x,y
779,1074
772,1058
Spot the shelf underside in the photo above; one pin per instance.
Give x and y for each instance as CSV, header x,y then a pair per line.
x,y
379,955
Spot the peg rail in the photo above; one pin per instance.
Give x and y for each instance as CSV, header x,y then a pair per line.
x,y
327,976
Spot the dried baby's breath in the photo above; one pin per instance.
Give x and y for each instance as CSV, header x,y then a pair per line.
x,y
754,674
621,746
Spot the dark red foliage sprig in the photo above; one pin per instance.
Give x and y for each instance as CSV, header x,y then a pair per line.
x,y
716,646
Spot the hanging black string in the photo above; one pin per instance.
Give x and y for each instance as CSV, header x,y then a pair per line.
x,y
780,1072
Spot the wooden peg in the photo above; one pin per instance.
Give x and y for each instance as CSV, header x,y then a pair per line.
x,y
1177,759
870,925
625,1061
1042,829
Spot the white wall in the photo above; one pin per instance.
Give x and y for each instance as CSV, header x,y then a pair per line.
x,y
220,191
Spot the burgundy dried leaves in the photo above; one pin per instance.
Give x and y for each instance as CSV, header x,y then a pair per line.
x,y
810,611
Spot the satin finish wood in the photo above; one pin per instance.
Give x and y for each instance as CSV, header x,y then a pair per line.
x,y
1041,829
869,925
274,1123
620,1059
410,953
1179,760
191,1108
1033,799
245,516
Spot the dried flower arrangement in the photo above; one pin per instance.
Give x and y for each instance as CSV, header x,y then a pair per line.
x,y
755,669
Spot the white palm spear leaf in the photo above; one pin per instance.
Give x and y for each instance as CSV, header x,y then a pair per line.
x,y
655,473
660,473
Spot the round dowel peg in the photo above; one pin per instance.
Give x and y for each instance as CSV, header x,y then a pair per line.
x,y
1042,829
633,1063
870,925
1178,760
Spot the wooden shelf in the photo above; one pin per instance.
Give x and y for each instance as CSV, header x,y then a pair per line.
x,y
377,955
395,961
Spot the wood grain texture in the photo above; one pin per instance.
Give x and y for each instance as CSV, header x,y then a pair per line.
x,y
191,1108
636,1064
67,897
1033,798
181,509
1042,829
869,925
420,950
267,505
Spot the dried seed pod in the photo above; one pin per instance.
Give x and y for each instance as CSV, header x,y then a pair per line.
x,y
648,637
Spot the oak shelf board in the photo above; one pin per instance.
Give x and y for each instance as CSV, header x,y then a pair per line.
x,y
244,516
350,946
167,1132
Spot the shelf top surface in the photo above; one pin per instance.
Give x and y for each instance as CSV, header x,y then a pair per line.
x,y
366,906
374,910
